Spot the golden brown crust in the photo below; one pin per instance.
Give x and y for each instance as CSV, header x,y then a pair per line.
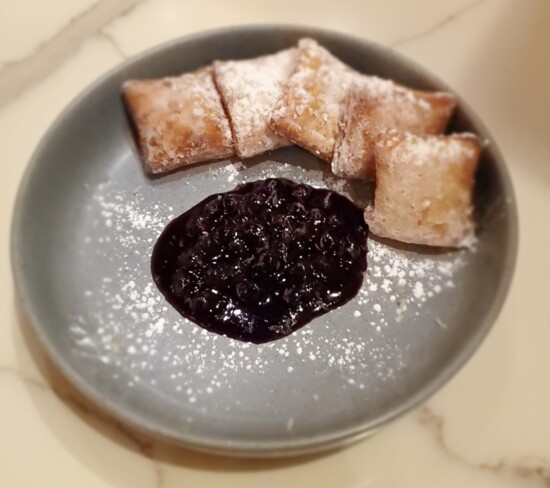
x,y
309,110
374,105
249,89
424,188
179,120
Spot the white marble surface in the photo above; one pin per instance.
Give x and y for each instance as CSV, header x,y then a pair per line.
x,y
489,427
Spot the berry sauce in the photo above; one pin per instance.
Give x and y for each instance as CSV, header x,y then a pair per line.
x,y
259,262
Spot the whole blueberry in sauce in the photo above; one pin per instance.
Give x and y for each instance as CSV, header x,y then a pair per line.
x,y
261,261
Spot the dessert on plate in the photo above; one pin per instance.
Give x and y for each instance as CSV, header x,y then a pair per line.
x,y
249,89
424,188
367,127
179,120
373,105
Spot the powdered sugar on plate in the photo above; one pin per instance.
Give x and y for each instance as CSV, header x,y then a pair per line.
x,y
126,323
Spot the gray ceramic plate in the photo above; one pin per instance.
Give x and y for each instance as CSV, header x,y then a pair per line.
x,y
87,217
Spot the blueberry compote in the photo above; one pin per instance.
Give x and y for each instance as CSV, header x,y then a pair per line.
x,y
261,261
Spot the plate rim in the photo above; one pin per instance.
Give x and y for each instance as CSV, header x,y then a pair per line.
x,y
290,446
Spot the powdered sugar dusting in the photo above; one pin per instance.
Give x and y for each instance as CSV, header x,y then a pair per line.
x,y
404,281
373,105
249,89
164,109
309,110
125,322
433,172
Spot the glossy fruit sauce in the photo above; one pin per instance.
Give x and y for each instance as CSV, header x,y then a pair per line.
x,y
261,261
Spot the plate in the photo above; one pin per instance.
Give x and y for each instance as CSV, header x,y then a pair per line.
x,y
86,219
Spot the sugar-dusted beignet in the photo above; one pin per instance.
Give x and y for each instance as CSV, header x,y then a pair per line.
x,y
373,105
249,89
309,110
424,188
179,120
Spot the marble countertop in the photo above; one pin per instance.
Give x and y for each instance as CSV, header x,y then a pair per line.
x,y
489,427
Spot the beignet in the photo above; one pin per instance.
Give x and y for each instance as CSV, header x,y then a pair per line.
x,y
249,89
179,120
373,105
424,188
309,110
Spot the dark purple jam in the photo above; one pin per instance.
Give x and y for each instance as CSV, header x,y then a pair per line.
x,y
261,261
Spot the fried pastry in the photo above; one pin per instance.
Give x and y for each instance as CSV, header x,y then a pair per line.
x,y
179,120
373,105
249,89
309,110
424,188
